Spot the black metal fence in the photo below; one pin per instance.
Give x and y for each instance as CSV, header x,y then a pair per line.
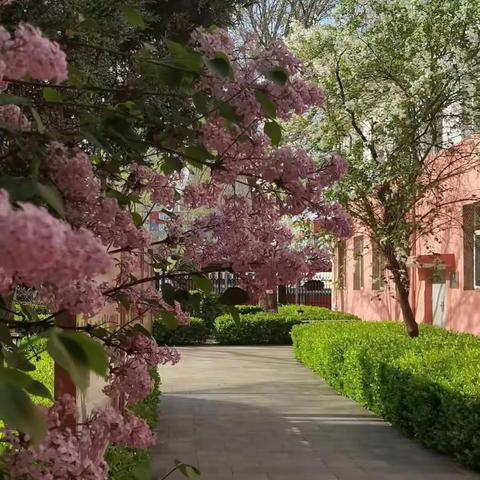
x,y
317,291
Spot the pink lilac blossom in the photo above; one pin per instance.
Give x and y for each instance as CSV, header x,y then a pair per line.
x,y
129,377
64,454
201,195
144,300
29,53
77,451
221,237
161,188
85,206
41,251
12,118
211,42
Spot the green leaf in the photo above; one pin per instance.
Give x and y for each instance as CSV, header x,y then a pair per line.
x,y
268,107
29,312
220,65
133,17
228,112
77,354
274,131
39,389
233,296
52,95
143,471
75,77
52,197
202,283
69,356
188,471
137,219
197,152
20,189
124,300
233,311
169,319
18,360
182,295
277,75
201,102
18,411
171,164
9,99
6,336
15,377
138,327
168,293
195,302
97,358
185,57
38,120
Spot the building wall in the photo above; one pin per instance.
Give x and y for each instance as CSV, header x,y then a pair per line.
x,y
462,305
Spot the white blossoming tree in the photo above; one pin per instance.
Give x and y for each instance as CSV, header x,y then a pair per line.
x,y
400,77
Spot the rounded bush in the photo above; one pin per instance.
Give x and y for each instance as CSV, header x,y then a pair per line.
x,y
269,328
196,333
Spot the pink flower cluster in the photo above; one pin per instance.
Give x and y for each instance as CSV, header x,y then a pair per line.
x,y
12,118
148,300
72,172
41,251
247,236
201,195
65,453
29,53
161,188
73,450
129,377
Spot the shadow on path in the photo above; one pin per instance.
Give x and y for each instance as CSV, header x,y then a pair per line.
x,y
246,413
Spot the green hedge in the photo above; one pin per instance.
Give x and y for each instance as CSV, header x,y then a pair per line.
x,y
124,462
193,334
312,313
269,328
429,387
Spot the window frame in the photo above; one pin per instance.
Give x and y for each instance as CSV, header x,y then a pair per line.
x,y
378,263
476,235
358,263
341,273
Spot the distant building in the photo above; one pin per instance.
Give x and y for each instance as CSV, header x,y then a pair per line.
x,y
444,268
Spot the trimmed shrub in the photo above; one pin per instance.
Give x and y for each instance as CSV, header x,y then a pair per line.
x,y
429,387
312,313
248,309
193,334
210,309
268,328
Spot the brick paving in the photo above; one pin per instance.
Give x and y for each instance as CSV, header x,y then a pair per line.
x,y
254,413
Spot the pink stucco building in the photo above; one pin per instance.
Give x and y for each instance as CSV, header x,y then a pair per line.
x,y
444,268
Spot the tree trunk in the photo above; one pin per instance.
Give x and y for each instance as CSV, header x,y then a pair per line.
x,y
268,301
411,325
403,286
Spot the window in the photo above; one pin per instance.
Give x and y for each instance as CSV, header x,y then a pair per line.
x,y
471,247
341,263
476,256
378,268
358,262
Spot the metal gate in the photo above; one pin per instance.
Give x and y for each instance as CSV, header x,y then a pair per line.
x,y
317,291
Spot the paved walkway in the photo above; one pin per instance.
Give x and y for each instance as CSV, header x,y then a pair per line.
x,y
254,413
